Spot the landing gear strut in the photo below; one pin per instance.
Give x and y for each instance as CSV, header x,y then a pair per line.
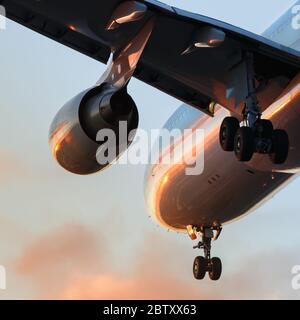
x,y
255,135
206,264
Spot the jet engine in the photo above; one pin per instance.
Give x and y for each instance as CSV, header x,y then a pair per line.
x,y
74,131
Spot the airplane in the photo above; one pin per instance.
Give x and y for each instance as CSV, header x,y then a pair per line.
x,y
243,89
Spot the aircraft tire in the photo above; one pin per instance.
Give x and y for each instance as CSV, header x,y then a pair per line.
x,y
280,147
199,268
216,269
244,144
228,130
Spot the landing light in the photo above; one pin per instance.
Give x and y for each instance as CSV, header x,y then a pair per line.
x,y
191,232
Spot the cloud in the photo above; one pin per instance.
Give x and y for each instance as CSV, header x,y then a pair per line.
x,y
117,287
161,273
69,263
154,275
52,260
75,262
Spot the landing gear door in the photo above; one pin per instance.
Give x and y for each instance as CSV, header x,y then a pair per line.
x,y
237,89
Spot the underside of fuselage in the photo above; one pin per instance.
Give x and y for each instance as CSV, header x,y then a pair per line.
x,y
225,191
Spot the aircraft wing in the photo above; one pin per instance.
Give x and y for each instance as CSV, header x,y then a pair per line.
x,y
196,76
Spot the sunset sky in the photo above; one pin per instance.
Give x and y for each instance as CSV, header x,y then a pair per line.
x,y
64,236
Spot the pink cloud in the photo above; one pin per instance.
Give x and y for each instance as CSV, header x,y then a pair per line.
x,y
52,260
74,262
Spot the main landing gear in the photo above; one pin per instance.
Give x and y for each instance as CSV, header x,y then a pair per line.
x,y
255,135
260,138
206,264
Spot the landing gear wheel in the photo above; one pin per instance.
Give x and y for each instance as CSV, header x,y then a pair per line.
x,y
199,268
216,269
280,147
244,144
264,129
228,129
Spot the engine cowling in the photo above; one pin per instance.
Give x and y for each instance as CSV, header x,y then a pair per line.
x,y
73,132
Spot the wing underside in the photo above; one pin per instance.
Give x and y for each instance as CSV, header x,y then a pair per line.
x,y
196,78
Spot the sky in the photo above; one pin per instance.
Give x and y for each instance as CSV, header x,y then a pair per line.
x,y
64,236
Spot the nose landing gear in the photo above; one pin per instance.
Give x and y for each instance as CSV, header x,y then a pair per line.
x,y
206,264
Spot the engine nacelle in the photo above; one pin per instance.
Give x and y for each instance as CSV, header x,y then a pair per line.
x,y
73,132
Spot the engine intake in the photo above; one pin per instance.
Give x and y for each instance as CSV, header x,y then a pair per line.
x,y
73,132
